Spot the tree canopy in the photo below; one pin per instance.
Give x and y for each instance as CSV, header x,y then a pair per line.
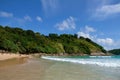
x,y
115,51
27,41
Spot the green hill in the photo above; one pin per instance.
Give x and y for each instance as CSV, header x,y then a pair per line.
x,y
115,51
27,41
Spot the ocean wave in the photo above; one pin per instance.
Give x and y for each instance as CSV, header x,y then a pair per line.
x,y
100,62
101,56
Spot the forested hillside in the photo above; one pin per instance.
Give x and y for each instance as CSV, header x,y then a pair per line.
x,y
115,51
27,41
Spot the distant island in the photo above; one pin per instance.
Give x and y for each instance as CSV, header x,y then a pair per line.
x,y
21,41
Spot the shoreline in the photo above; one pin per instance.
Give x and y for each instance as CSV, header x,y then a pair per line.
x,y
9,55
67,54
8,59
6,56
40,69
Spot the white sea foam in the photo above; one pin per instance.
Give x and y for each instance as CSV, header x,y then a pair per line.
x,y
101,56
100,62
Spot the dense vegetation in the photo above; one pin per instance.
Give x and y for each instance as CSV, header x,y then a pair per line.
x,y
115,51
27,41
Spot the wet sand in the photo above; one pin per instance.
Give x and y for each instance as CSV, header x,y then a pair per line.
x,y
13,61
33,69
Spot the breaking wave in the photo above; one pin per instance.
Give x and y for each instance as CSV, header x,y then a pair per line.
x,y
107,61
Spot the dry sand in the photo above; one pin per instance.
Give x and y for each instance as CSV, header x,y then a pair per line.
x,y
6,56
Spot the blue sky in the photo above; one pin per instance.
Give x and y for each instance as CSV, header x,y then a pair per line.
x,y
98,20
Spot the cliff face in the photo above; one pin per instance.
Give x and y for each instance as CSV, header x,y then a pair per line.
x,y
27,41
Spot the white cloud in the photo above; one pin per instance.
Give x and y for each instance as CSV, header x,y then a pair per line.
x,y
5,14
27,18
87,32
49,5
39,18
107,10
83,34
106,41
89,29
67,24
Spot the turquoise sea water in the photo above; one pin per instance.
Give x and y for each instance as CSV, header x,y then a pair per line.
x,y
106,61
83,68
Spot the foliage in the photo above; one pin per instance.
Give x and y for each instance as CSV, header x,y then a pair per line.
x,y
27,41
115,51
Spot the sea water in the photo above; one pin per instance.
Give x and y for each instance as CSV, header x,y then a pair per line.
x,y
83,68
106,61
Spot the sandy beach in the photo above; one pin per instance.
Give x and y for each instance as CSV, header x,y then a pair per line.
x,y
6,56
33,69
41,69
9,59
